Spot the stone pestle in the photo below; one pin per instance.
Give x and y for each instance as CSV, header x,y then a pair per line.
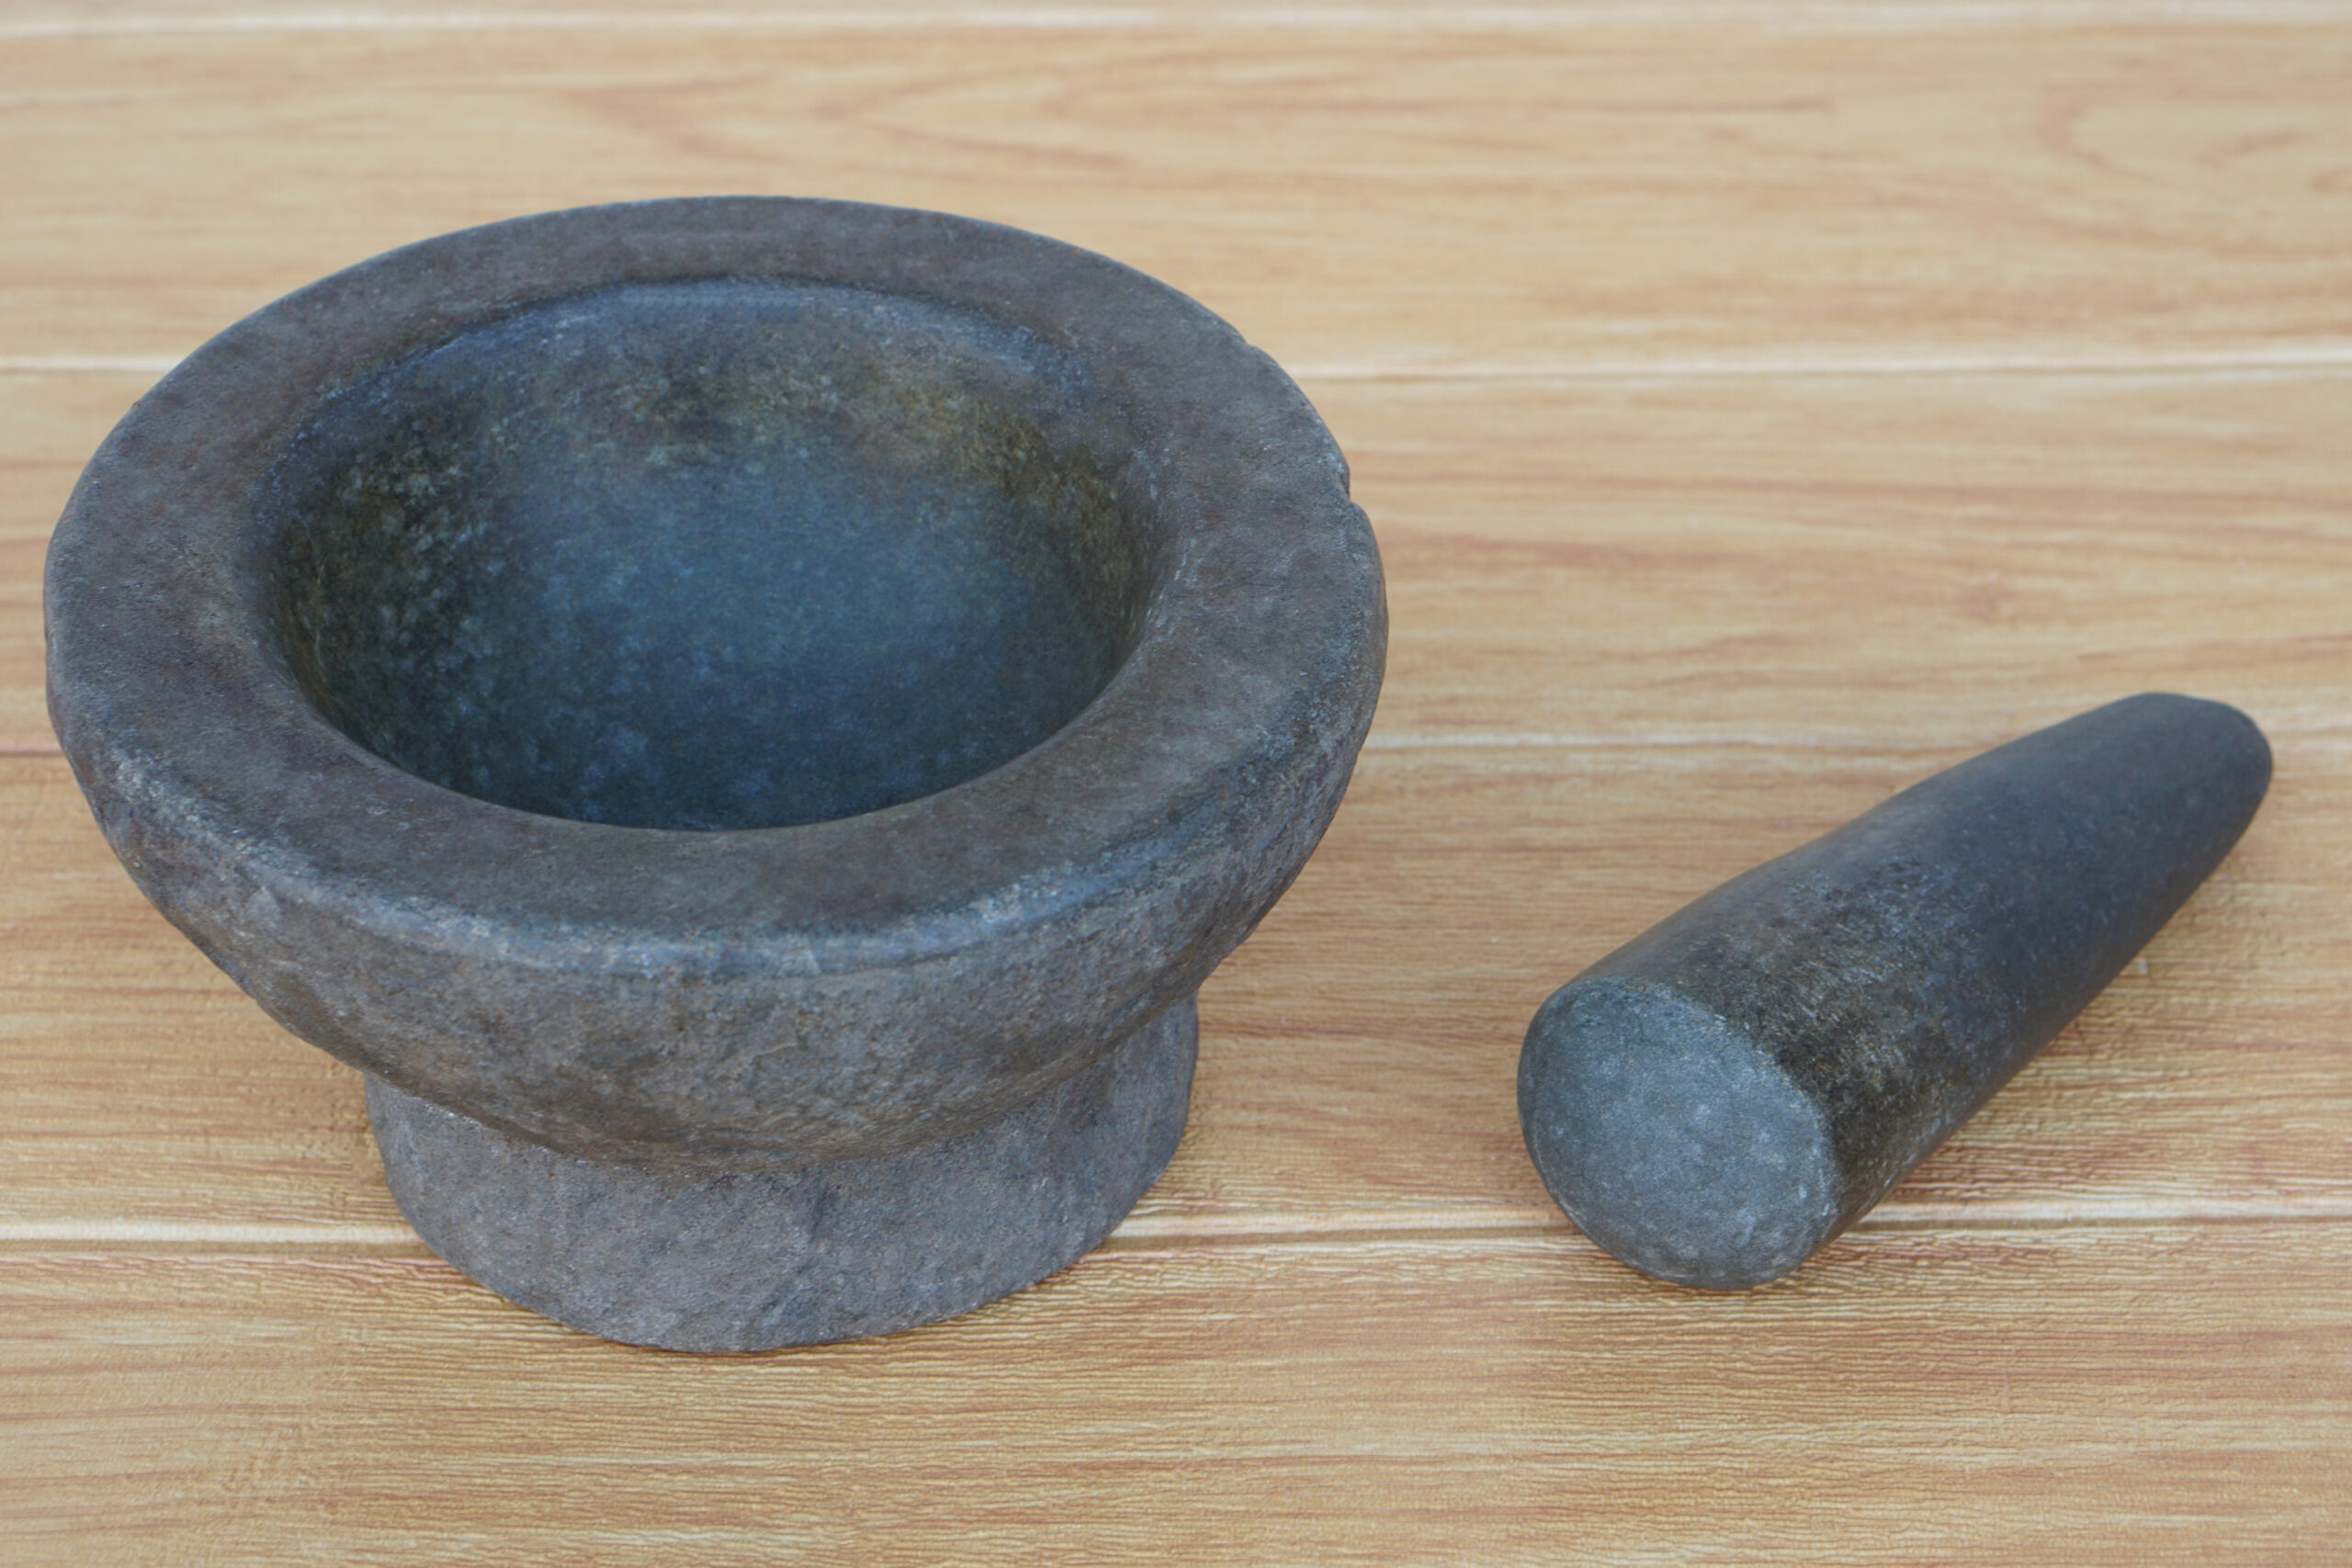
x,y
1717,1099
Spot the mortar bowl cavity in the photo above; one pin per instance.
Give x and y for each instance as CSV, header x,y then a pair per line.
x,y
711,555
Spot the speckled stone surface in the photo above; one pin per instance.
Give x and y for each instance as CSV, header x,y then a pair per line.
x,y
1724,1094
727,687
744,1261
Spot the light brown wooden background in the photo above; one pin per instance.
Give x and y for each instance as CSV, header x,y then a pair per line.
x,y
1760,406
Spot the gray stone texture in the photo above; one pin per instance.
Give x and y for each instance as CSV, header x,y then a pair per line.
x,y
739,1260
737,685
1717,1099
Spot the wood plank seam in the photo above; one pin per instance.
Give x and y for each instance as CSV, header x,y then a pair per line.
x,y
1789,16
2319,360
226,1239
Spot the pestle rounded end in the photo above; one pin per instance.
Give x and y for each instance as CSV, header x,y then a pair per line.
x,y
1671,1140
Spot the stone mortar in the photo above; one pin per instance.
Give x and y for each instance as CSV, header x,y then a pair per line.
x,y
749,719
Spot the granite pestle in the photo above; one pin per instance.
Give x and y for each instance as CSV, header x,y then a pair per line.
x,y
1717,1099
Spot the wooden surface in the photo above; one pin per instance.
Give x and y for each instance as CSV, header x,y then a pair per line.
x,y
1759,405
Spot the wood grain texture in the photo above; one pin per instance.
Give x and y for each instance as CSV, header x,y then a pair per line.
x,y
1760,405
1492,1401
1357,198
28,18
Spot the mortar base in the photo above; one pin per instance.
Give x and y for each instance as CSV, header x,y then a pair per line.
x,y
686,1260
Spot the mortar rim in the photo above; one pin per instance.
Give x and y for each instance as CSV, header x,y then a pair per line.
x,y
195,747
